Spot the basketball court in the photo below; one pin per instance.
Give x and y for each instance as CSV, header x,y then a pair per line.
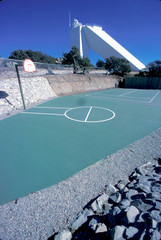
x,y
53,141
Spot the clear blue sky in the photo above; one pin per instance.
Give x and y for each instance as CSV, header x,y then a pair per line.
x,y
42,25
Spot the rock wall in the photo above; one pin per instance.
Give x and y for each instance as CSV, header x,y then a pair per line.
x,y
71,83
35,90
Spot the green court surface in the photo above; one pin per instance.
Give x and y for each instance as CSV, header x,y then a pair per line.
x,y
49,143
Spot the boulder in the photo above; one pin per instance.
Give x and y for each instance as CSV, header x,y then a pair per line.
x,y
101,228
131,193
97,205
143,187
131,232
93,223
156,215
158,205
116,210
133,176
155,235
139,204
117,233
81,219
132,184
156,187
125,203
131,213
110,189
64,235
115,198
144,169
106,208
121,185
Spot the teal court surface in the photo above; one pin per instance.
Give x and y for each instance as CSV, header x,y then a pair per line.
x,y
46,144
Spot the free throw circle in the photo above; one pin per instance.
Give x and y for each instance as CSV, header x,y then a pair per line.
x,y
89,114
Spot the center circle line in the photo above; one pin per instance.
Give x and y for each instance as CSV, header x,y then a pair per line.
x,y
86,119
88,114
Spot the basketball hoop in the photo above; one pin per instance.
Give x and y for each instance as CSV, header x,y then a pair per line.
x,y
29,66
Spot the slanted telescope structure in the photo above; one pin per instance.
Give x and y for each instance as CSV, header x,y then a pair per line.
x,y
93,37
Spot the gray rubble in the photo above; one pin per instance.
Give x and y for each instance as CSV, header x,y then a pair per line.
x,y
134,213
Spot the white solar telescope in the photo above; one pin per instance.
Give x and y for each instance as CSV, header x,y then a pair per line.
x,y
93,37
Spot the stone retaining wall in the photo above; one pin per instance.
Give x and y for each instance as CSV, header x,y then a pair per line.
x,y
37,88
71,83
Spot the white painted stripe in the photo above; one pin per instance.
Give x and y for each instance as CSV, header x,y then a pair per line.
x,y
119,99
53,107
117,96
88,114
154,97
126,93
107,95
48,114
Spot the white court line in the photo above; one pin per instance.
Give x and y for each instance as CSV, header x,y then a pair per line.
x,y
88,114
154,97
102,94
117,96
127,93
83,121
105,95
48,114
118,99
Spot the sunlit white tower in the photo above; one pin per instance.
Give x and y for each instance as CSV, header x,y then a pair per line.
x,y
93,37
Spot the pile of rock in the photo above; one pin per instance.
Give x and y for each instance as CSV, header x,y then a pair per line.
x,y
35,90
125,211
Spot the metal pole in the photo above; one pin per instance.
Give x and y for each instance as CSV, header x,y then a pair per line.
x,y
20,86
69,20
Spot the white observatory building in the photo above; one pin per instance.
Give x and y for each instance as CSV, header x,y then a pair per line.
x,y
93,37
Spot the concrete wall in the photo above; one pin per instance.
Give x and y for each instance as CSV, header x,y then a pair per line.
x,y
71,84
